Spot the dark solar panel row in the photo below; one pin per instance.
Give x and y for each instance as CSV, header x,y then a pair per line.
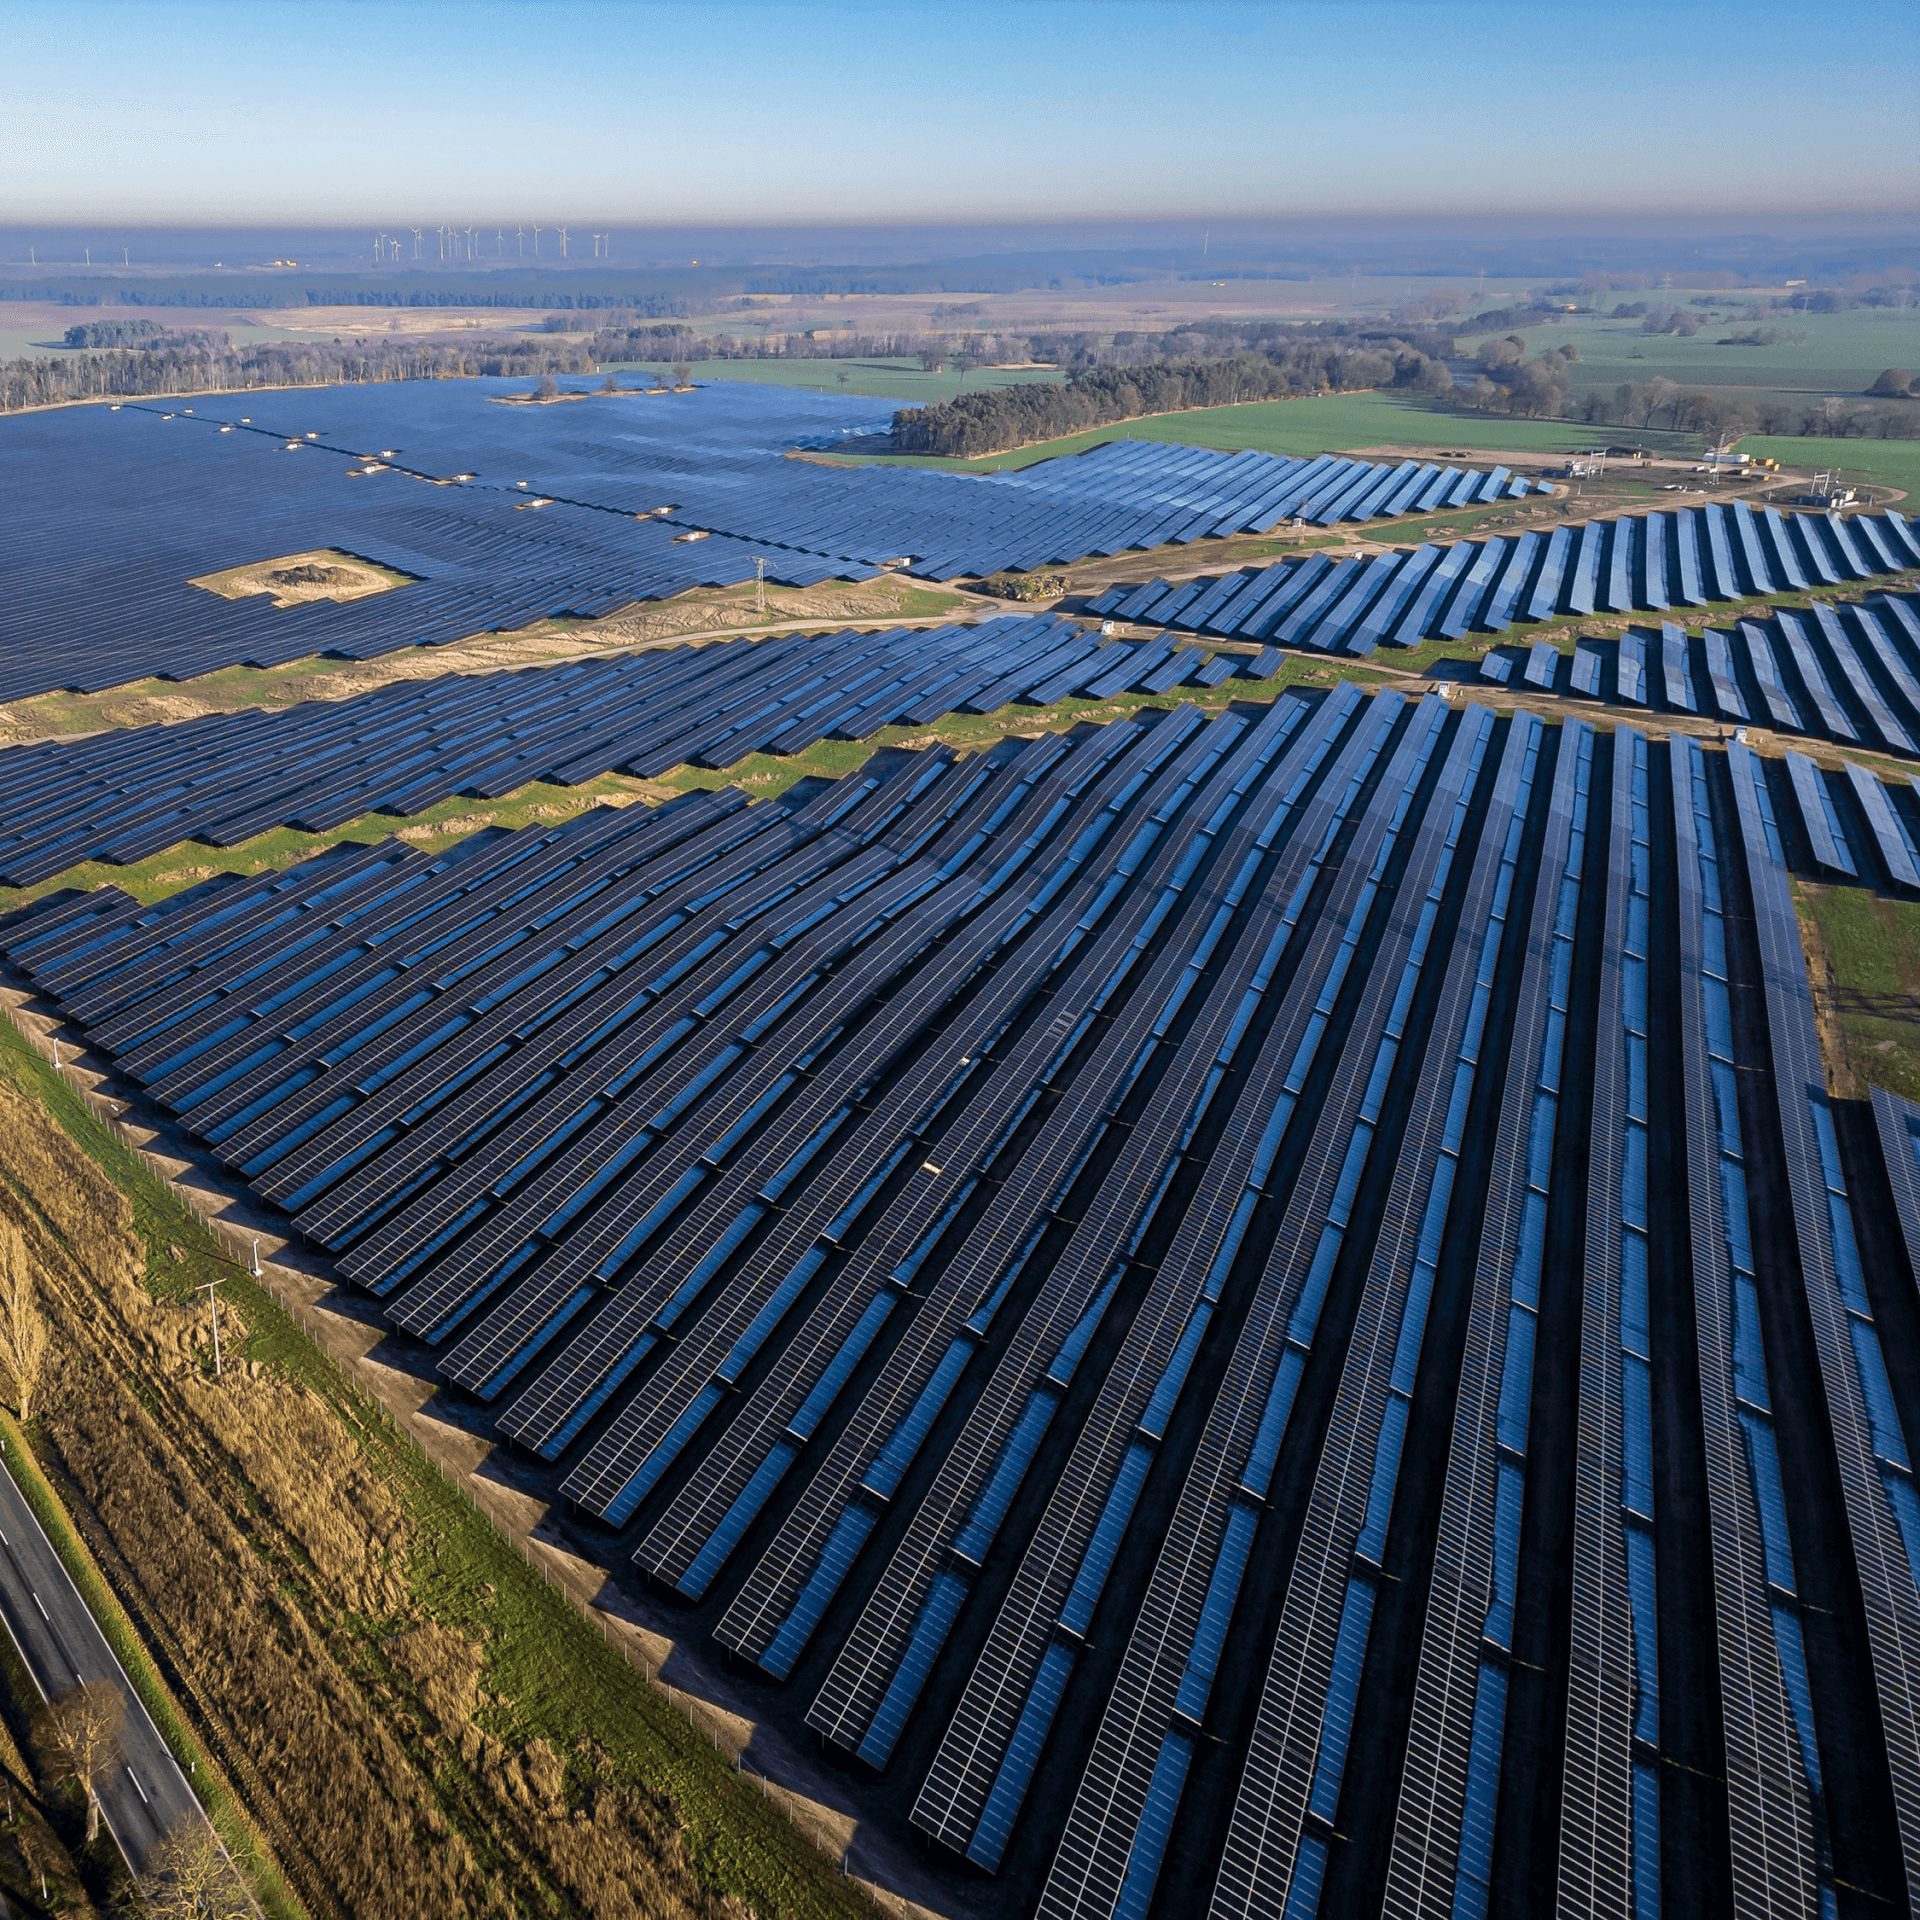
x,y
1778,1852
1882,1513
1118,1827
1609,1823
1443,1836
98,581
894,1250
1846,673
1656,562
1041,1184
123,796
880,1671
1287,1810
975,1234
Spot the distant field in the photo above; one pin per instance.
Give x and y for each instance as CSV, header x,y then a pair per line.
x,y
1325,424
1842,352
897,380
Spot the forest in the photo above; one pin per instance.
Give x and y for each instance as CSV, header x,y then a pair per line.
x,y
205,363
1008,417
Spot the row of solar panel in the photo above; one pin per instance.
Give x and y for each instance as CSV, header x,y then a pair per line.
x,y
1849,673
1442,591
120,797
811,1149
118,513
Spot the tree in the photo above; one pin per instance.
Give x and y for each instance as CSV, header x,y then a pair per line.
x,y
78,1735
24,1337
682,373
611,384
1896,380
190,1877
1658,392
548,387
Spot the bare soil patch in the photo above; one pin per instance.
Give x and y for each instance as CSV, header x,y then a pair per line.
x,y
324,573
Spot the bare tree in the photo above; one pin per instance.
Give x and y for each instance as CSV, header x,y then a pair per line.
x,y
681,373
78,1735
24,1337
191,1877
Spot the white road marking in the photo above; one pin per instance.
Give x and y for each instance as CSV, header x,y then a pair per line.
x,y
138,1788
44,1614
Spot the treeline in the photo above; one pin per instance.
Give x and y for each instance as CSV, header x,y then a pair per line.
x,y
113,333
682,343
1007,417
205,366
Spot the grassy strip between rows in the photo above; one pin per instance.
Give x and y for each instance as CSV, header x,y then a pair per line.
x,y
763,776
229,1820
553,1674
766,776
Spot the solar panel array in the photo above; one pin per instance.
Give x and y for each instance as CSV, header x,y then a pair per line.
x,y
1156,1286
1445,590
224,778
115,510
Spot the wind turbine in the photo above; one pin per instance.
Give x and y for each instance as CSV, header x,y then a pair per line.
x,y
520,235
416,241
536,239
499,241
562,232
379,246
469,243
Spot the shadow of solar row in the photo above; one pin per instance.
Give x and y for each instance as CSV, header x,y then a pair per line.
x,y
1274,1304
639,497
1654,562
405,748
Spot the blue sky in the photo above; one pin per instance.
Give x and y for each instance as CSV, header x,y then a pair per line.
x,y
330,111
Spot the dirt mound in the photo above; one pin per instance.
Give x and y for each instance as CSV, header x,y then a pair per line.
x,y
310,576
289,579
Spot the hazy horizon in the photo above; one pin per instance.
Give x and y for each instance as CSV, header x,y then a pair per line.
x,y
858,116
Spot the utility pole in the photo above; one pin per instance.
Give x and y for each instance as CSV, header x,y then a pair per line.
x,y
759,584
213,1312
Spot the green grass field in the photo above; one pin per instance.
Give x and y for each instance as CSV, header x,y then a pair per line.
x,y
1872,950
1891,463
1327,423
1841,352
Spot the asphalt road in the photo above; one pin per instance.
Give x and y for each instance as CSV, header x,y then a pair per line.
x,y
62,1645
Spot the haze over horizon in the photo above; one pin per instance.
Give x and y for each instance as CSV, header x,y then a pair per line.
x,y
855,115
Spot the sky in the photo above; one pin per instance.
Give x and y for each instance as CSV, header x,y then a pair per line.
x,y
386,112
